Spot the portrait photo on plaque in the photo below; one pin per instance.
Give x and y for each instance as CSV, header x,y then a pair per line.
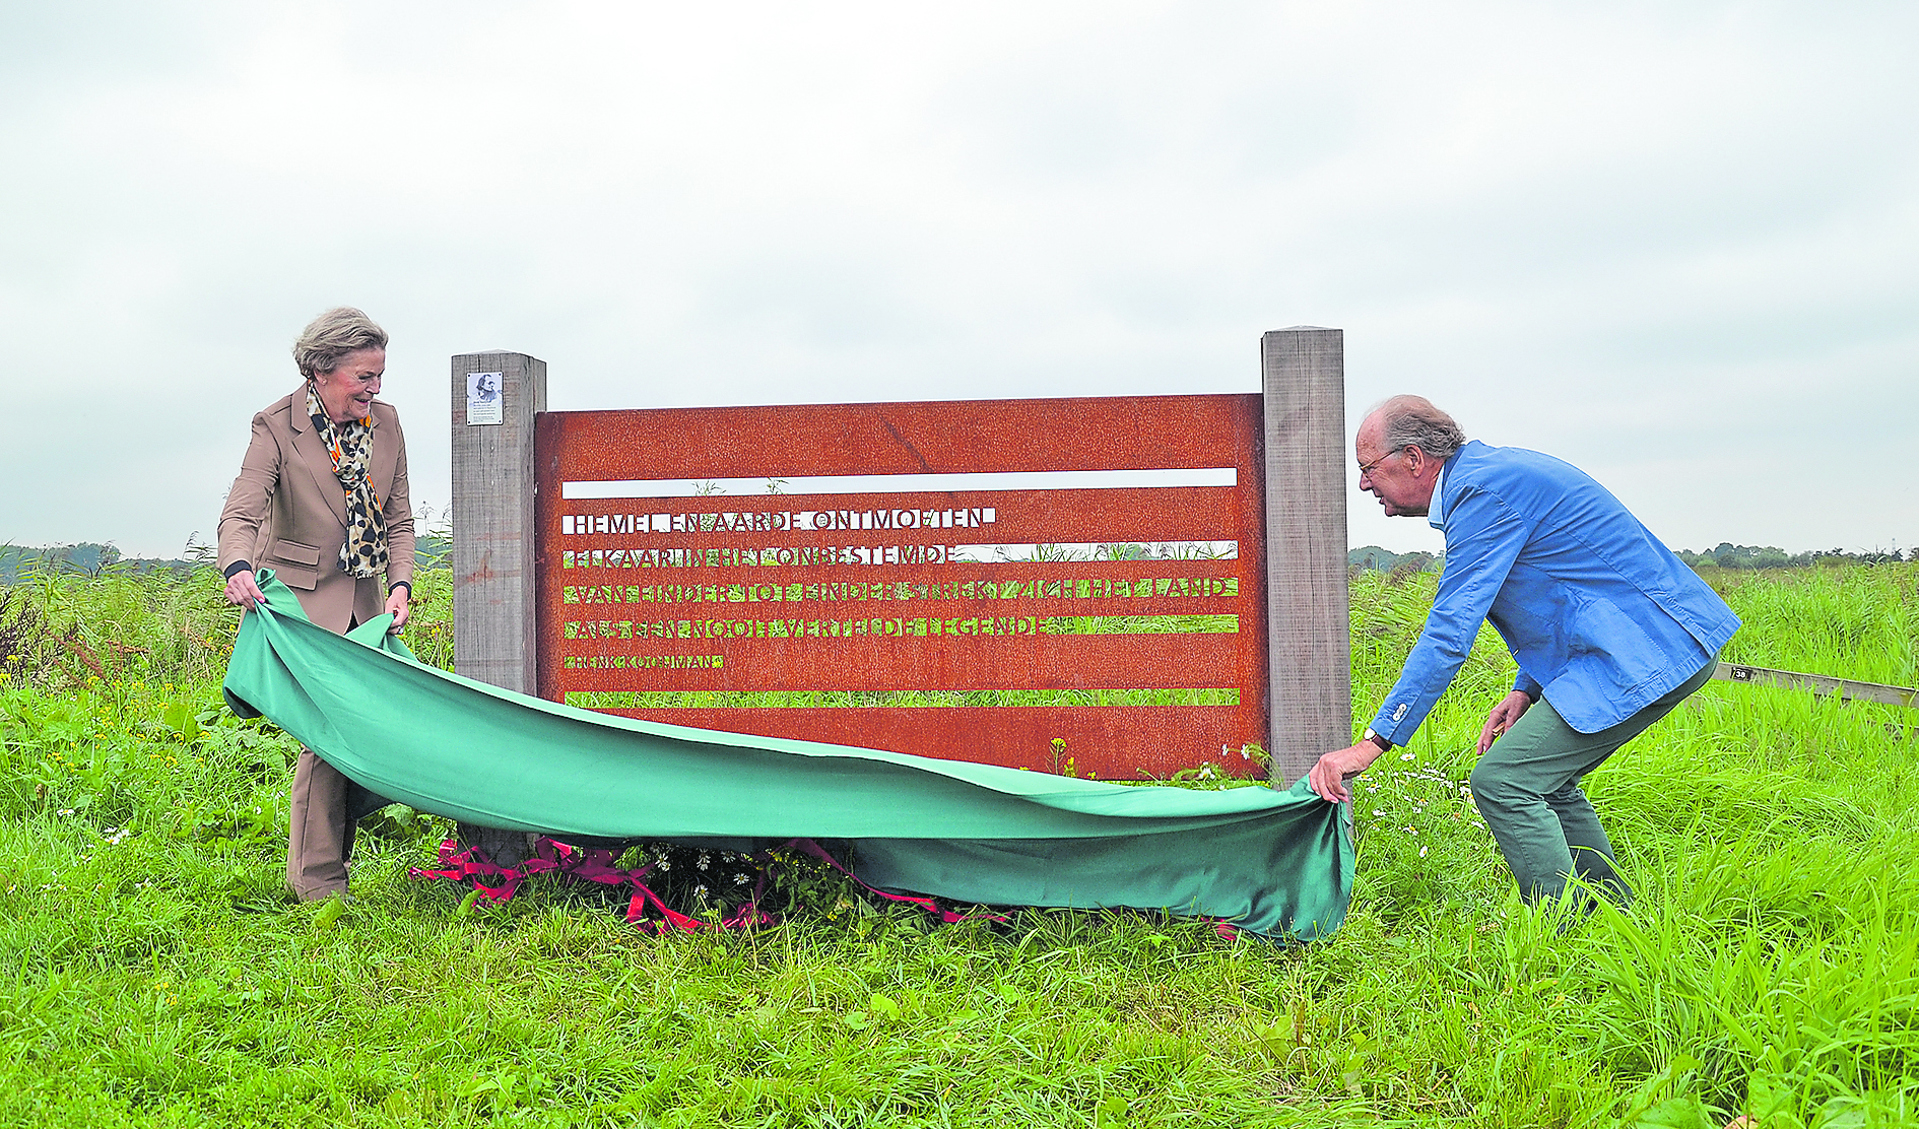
x,y
483,397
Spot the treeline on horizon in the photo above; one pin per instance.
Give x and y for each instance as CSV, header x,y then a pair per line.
x,y
435,550
1728,555
91,558
1725,555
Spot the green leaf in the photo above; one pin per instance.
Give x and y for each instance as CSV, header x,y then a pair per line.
x,y
856,1020
1111,1111
1279,1036
1766,1097
329,912
179,717
1675,1113
884,1006
1841,1113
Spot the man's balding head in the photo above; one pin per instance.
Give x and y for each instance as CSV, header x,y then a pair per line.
x,y
1402,445
1413,421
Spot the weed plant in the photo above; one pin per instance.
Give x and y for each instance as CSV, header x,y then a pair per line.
x,y
157,974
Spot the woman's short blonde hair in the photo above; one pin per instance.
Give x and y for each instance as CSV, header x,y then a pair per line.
x,y
328,338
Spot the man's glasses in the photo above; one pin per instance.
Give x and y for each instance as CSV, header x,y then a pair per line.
x,y
1368,468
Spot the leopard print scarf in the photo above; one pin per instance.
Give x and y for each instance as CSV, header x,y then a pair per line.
x,y
364,554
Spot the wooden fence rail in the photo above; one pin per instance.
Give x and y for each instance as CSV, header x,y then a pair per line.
x,y
1847,689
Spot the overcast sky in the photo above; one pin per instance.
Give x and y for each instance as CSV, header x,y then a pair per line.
x,y
1673,243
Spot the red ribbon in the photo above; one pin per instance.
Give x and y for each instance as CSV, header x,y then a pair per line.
x,y
946,916
596,865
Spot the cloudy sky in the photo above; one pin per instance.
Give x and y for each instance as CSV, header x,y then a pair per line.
x,y
1674,243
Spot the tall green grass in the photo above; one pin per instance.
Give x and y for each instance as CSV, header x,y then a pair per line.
x,y
156,974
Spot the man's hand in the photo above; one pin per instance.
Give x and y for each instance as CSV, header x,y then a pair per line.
x,y
1509,710
1329,776
242,590
396,605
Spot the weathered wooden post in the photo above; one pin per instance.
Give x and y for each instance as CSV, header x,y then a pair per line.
x,y
1309,652
495,399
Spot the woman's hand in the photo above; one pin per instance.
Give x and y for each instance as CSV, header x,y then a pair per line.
x,y
1509,710
396,606
241,589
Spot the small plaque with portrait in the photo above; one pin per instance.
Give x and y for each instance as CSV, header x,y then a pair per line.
x,y
483,397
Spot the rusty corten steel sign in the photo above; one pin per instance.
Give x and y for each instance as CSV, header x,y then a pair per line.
x,y
992,581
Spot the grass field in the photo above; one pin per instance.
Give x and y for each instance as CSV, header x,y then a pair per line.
x,y
153,973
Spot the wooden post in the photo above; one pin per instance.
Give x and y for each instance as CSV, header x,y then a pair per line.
x,y
1309,648
493,524
495,398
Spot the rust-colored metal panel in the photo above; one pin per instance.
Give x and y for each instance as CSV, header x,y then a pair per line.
x,y
956,617
1111,744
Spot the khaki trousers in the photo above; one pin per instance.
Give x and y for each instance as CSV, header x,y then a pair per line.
x,y
319,834
326,807
321,819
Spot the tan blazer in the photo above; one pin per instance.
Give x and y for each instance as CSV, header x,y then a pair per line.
x,y
287,512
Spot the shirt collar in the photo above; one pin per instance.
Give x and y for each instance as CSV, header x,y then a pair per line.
x,y
1436,511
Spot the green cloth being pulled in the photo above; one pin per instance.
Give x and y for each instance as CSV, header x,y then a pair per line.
x,y
1279,864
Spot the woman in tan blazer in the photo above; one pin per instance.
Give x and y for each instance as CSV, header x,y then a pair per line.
x,y
322,501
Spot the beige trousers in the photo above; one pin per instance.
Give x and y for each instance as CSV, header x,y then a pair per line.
x,y
319,834
321,820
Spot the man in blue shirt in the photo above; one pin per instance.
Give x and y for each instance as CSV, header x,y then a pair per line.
x,y
1609,628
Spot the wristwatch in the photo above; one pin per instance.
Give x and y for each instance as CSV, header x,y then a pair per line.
x,y
1385,746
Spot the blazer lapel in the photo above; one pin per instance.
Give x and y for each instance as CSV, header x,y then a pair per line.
x,y
306,441
385,458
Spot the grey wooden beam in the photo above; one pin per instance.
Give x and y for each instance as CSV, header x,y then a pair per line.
x,y
1847,689
494,542
1309,646
493,530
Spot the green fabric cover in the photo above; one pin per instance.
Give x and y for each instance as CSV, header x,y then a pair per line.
x,y
1279,864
